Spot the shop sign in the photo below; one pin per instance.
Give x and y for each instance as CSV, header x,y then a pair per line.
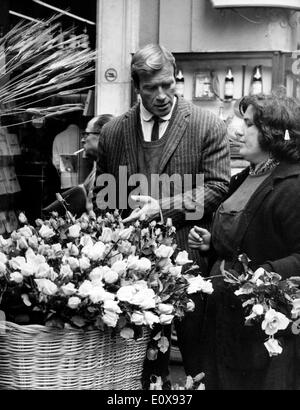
x,y
111,74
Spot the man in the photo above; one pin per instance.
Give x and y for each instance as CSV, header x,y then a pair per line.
x,y
165,134
79,198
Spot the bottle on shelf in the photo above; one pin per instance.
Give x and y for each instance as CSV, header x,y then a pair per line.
x,y
180,84
221,113
228,85
257,86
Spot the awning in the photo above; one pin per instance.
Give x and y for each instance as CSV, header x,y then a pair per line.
x,y
290,4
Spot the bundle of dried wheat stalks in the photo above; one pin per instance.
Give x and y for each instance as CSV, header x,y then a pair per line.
x,y
39,63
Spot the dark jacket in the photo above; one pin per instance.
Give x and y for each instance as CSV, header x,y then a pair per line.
x,y
234,356
269,231
197,144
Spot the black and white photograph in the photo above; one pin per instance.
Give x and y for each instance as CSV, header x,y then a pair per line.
x,y
149,198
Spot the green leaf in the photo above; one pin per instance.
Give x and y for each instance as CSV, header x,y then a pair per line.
x,y
78,321
55,322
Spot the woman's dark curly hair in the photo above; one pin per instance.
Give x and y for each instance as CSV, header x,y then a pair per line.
x,y
273,115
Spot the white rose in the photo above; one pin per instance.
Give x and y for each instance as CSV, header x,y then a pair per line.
x,y
97,294
126,293
296,308
145,298
69,289
114,256
140,284
150,318
3,242
45,232
86,241
17,262
274,321
198,284
110,318
97,273
74,231
111,276
84,263
190,306
42,271
27,270
16,277
106,236
22,218
132,262
166,319
85,288
25,231
164,251
165,308
56,247
125,234
46,286
169,222
175,271
66,271
73,262
3,257
258,309
182,258
273,347
144,265
33,242
112,305
137,318
127,333
119,267
72,248
74,302
97,251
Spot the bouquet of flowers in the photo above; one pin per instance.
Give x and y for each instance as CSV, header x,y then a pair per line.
x,y
267,299
94,273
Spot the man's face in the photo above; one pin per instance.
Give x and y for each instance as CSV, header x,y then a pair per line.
x,y
157,90
90,139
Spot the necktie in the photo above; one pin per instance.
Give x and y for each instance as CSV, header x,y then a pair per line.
x,y
155,128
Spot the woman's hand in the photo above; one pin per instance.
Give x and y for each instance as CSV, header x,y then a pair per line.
x,y
199,238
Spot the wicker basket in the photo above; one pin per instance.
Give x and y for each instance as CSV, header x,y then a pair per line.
x,y
34,357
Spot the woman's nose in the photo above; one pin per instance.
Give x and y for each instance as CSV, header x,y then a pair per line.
x,y
239,133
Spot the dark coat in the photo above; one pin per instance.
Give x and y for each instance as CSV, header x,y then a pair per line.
x,y
269,231
234,356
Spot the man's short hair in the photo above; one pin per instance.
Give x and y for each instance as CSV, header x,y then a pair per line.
x,y
100,120
150,58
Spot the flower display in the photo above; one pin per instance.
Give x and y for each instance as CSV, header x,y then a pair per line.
x,y
95,272
266,299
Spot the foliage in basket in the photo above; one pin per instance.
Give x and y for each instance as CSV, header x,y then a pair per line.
x,y
93,272
267,299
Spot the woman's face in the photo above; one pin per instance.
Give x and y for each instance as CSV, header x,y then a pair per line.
x,y
249,145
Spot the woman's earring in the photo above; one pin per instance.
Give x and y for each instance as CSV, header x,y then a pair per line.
x,y
287,135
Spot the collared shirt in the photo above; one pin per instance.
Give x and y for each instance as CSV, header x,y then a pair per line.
x,y
147,121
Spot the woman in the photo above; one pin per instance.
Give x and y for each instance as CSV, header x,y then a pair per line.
x,y
260,217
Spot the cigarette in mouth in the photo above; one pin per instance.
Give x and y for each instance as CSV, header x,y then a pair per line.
x,y
77,152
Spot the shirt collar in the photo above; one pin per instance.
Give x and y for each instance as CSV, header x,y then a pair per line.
x,y
147,115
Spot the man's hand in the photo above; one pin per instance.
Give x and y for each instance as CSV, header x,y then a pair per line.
x,y
199,238
148,208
